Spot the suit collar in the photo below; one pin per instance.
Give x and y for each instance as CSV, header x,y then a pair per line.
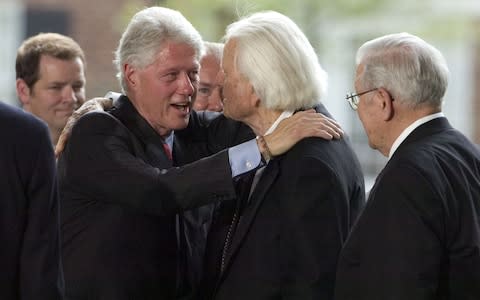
x,y
124,110
409,129
424,130
319,108
128,114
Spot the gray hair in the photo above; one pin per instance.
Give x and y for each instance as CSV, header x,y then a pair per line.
x,y
278,60
214,49
147,33
412,70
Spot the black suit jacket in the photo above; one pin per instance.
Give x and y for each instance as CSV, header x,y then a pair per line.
x,y
419,235
291,232
29,222
119,200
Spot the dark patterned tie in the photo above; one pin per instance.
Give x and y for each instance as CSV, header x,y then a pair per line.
x,y
168,151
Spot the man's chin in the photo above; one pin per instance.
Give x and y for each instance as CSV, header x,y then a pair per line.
x,y
181,124
226,113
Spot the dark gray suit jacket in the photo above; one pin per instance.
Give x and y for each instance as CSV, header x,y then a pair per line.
x,y
29,221
419,235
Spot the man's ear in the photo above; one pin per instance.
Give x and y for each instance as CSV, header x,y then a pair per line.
x,y
23,91
254,98
386,102
130,74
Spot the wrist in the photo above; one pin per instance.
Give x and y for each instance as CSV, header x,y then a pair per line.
x,y
263,148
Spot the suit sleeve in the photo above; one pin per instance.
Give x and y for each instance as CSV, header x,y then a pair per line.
x,y
216,131
100,160
40,268
312,225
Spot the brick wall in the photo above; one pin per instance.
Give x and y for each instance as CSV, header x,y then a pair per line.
x,y
96,25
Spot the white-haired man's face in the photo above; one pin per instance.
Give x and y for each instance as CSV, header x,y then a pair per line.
x,y
239,98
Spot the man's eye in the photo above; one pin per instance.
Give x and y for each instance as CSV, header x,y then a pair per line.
x,y
203,90
77,88
170,76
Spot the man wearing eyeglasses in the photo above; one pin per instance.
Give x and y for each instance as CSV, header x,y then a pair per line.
x,y
419,234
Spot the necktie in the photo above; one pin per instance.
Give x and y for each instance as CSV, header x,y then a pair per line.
x,y
168,151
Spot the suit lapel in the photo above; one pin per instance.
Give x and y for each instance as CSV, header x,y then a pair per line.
x,y
268,178
148,137
424,131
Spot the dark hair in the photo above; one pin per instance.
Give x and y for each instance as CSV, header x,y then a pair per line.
x,y
52,44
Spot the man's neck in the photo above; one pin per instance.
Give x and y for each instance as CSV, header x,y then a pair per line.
x,y
404,119
263,120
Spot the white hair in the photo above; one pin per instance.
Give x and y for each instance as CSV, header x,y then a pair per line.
x,y
278,60
412,70
147,33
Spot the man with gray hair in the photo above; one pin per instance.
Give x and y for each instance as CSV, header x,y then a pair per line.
x,y
120,185
419,234
281,237
209,94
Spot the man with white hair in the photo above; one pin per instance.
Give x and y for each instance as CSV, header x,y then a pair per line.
x,y
419,234
119,184
281,237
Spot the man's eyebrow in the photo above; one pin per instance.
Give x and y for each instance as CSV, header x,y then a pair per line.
x,y
56,82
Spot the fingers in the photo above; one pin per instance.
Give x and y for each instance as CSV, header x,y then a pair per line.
x,y
323,126
95,104
105,103
331,127
59,148
309,123
62,140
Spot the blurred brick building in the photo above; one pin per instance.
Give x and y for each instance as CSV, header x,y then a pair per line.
x,y
95,24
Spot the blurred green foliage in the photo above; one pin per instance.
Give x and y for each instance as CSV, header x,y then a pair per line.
x,y
211,17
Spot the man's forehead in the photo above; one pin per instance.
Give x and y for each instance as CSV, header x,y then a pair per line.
x,y
228,53
177,52
210,61
65,69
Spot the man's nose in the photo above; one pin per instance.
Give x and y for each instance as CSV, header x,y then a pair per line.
x,y
186,85
215,102
69,95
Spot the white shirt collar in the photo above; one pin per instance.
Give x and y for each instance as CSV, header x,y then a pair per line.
x,y
406,132
169,139
283,115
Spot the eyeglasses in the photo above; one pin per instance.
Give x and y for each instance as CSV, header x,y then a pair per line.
x,y
353,98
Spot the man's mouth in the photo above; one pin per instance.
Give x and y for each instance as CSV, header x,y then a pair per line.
x,y
182,107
